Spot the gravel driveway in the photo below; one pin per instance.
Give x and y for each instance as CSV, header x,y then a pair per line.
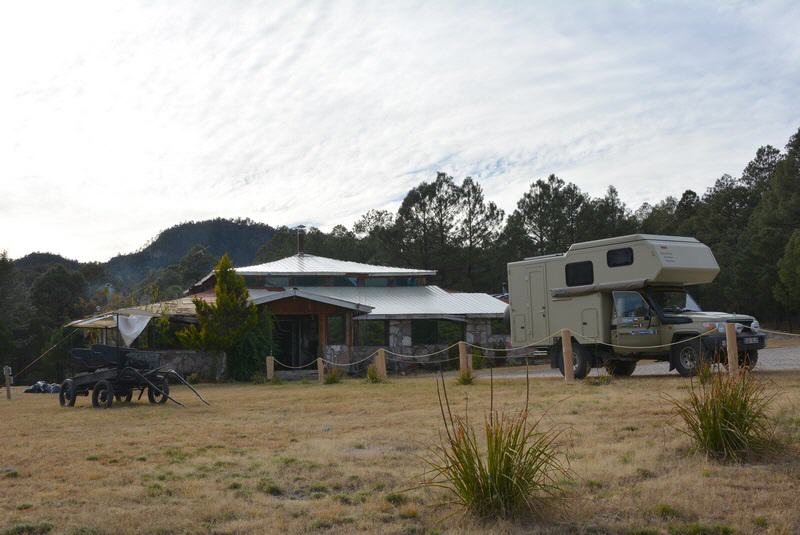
x,y
777,358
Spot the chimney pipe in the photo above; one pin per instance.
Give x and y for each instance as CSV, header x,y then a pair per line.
x,y
301,240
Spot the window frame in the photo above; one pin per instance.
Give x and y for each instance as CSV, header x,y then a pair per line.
x,y
628,261
570,275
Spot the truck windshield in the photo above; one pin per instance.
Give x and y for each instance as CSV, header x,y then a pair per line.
x,y
675,301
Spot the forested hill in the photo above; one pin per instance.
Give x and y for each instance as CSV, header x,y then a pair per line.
x,y
240,238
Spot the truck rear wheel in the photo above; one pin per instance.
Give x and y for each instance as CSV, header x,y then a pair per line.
x,y
581,359
620,368
687,356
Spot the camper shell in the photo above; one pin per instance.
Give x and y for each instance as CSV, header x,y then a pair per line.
x,y
576,290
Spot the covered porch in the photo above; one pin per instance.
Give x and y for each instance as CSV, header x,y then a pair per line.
x,y
308,326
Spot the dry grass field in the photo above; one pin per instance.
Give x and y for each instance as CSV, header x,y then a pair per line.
x,y
298,458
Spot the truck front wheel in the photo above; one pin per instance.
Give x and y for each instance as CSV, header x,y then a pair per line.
x,y
620,368
581,360
687,356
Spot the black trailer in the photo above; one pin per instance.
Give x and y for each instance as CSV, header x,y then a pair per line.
x,y
115,373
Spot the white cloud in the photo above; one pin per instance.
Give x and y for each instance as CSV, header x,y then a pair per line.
x,y
119,119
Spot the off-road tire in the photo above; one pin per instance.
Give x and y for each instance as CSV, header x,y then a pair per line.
x,y
67,394
102,395
687,357
581,359
156,398
620,368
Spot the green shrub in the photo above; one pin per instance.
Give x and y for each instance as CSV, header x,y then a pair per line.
x,y
373,376
478,360
726,416
517,471
334,376
276,380
268,487
667,512
465,377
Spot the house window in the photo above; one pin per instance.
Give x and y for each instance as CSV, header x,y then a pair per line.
x,y
372,332
619,257
336,335
307,280
345,281
500,326
431,332
376,281
405,281
579,273
276,280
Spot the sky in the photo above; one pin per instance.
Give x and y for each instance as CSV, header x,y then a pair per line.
x,y
119,119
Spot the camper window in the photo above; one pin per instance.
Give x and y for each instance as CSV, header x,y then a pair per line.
x,y
619,257
579,273
629,305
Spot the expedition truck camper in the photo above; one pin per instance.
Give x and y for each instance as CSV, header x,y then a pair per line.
x,y
624,299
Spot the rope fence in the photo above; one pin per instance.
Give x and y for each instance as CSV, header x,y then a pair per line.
x,y
380,356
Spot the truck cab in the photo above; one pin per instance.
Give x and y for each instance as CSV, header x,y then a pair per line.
x,y
625,299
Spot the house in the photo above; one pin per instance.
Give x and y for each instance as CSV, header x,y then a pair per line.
x,y
344,310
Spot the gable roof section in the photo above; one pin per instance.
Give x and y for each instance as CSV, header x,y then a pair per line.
x,y
307,264
269,297
402,302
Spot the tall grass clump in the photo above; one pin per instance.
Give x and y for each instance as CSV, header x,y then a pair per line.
x,y
373,377
465,377
726,416
334,376
511,469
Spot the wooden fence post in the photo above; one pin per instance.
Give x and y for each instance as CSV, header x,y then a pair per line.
x,y
566,350
464,359
7,374
321,370
380,364
270,367
732,348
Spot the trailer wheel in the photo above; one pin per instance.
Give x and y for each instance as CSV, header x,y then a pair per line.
x,y
581,359
687,357
156,397
67,394
620,368
102,395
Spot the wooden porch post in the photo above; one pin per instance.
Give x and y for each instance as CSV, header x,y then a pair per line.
x,y
323,333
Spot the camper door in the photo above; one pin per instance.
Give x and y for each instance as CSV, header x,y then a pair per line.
x,y
633,323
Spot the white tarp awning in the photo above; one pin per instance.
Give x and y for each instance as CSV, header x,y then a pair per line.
x,y
132,326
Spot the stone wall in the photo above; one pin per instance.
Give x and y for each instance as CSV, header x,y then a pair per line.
x,y
209,365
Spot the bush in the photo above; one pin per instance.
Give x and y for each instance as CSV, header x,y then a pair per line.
x,y
726,416
516,472
193,378
373,376
334,376
465,377
478,360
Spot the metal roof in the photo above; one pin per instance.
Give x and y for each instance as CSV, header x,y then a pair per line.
x,y
268,297
404,302
306,264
